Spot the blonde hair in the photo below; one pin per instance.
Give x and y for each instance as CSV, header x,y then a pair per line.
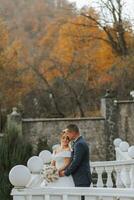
x,y
63,133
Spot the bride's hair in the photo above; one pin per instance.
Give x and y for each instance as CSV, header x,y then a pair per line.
x,y
63,133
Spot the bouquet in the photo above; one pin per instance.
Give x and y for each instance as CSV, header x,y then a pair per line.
x,y
50,173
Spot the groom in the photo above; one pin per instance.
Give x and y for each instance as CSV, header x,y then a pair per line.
x,y
79,167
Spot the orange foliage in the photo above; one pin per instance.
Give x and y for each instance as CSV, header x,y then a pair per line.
x,y
58,42
77,43
12,82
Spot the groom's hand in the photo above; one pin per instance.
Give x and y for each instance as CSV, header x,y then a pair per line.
x,y
62,173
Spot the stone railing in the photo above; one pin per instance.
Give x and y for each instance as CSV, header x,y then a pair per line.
x,y
117,174
73,194
110,179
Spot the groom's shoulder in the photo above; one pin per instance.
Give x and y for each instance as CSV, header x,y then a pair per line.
x,y
82,141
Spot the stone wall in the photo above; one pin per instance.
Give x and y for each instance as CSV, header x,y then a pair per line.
x,y
92,130
117,121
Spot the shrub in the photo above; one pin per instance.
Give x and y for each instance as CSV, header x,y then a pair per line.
x,y
14,150
42,145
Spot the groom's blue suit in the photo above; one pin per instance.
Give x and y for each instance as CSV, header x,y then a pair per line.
x,y
79,167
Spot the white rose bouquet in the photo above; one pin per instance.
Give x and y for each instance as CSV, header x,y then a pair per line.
x,y
50,173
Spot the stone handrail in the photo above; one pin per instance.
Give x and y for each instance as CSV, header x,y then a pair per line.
x,y
72,194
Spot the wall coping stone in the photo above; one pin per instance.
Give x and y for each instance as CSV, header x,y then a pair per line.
x,y
62,119
125,101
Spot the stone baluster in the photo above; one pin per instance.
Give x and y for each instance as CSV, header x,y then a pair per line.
x,y
99,172
109,178
94,177
125,176
104,177
113,177
131,173
119,183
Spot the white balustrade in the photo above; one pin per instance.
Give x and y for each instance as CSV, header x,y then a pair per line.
x,y
27,185
73,193
124,172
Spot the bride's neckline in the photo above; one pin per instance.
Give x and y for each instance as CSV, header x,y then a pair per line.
x,y
62,151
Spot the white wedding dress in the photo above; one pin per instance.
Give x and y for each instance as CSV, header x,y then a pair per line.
x,y
65,181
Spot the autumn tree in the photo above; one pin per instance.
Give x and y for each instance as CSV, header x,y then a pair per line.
x,y
81,59
11,83
113,23
40,25
61,59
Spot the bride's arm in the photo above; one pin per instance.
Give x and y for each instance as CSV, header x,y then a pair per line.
x,y
66,163
53,162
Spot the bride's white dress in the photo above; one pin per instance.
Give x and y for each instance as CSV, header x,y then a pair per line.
x,y
65,181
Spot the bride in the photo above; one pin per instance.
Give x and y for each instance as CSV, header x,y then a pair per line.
x,y
61,158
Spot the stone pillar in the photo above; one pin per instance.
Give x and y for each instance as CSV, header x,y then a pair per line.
x,y
14,119
109,112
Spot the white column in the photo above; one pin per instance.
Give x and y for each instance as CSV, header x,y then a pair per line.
x,y
131,173
119,183
109,179
99,172
125,176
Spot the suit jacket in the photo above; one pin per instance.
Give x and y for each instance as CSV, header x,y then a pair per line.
x,y
79,167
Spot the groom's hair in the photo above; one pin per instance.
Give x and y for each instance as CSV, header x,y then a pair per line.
x,y
73,128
